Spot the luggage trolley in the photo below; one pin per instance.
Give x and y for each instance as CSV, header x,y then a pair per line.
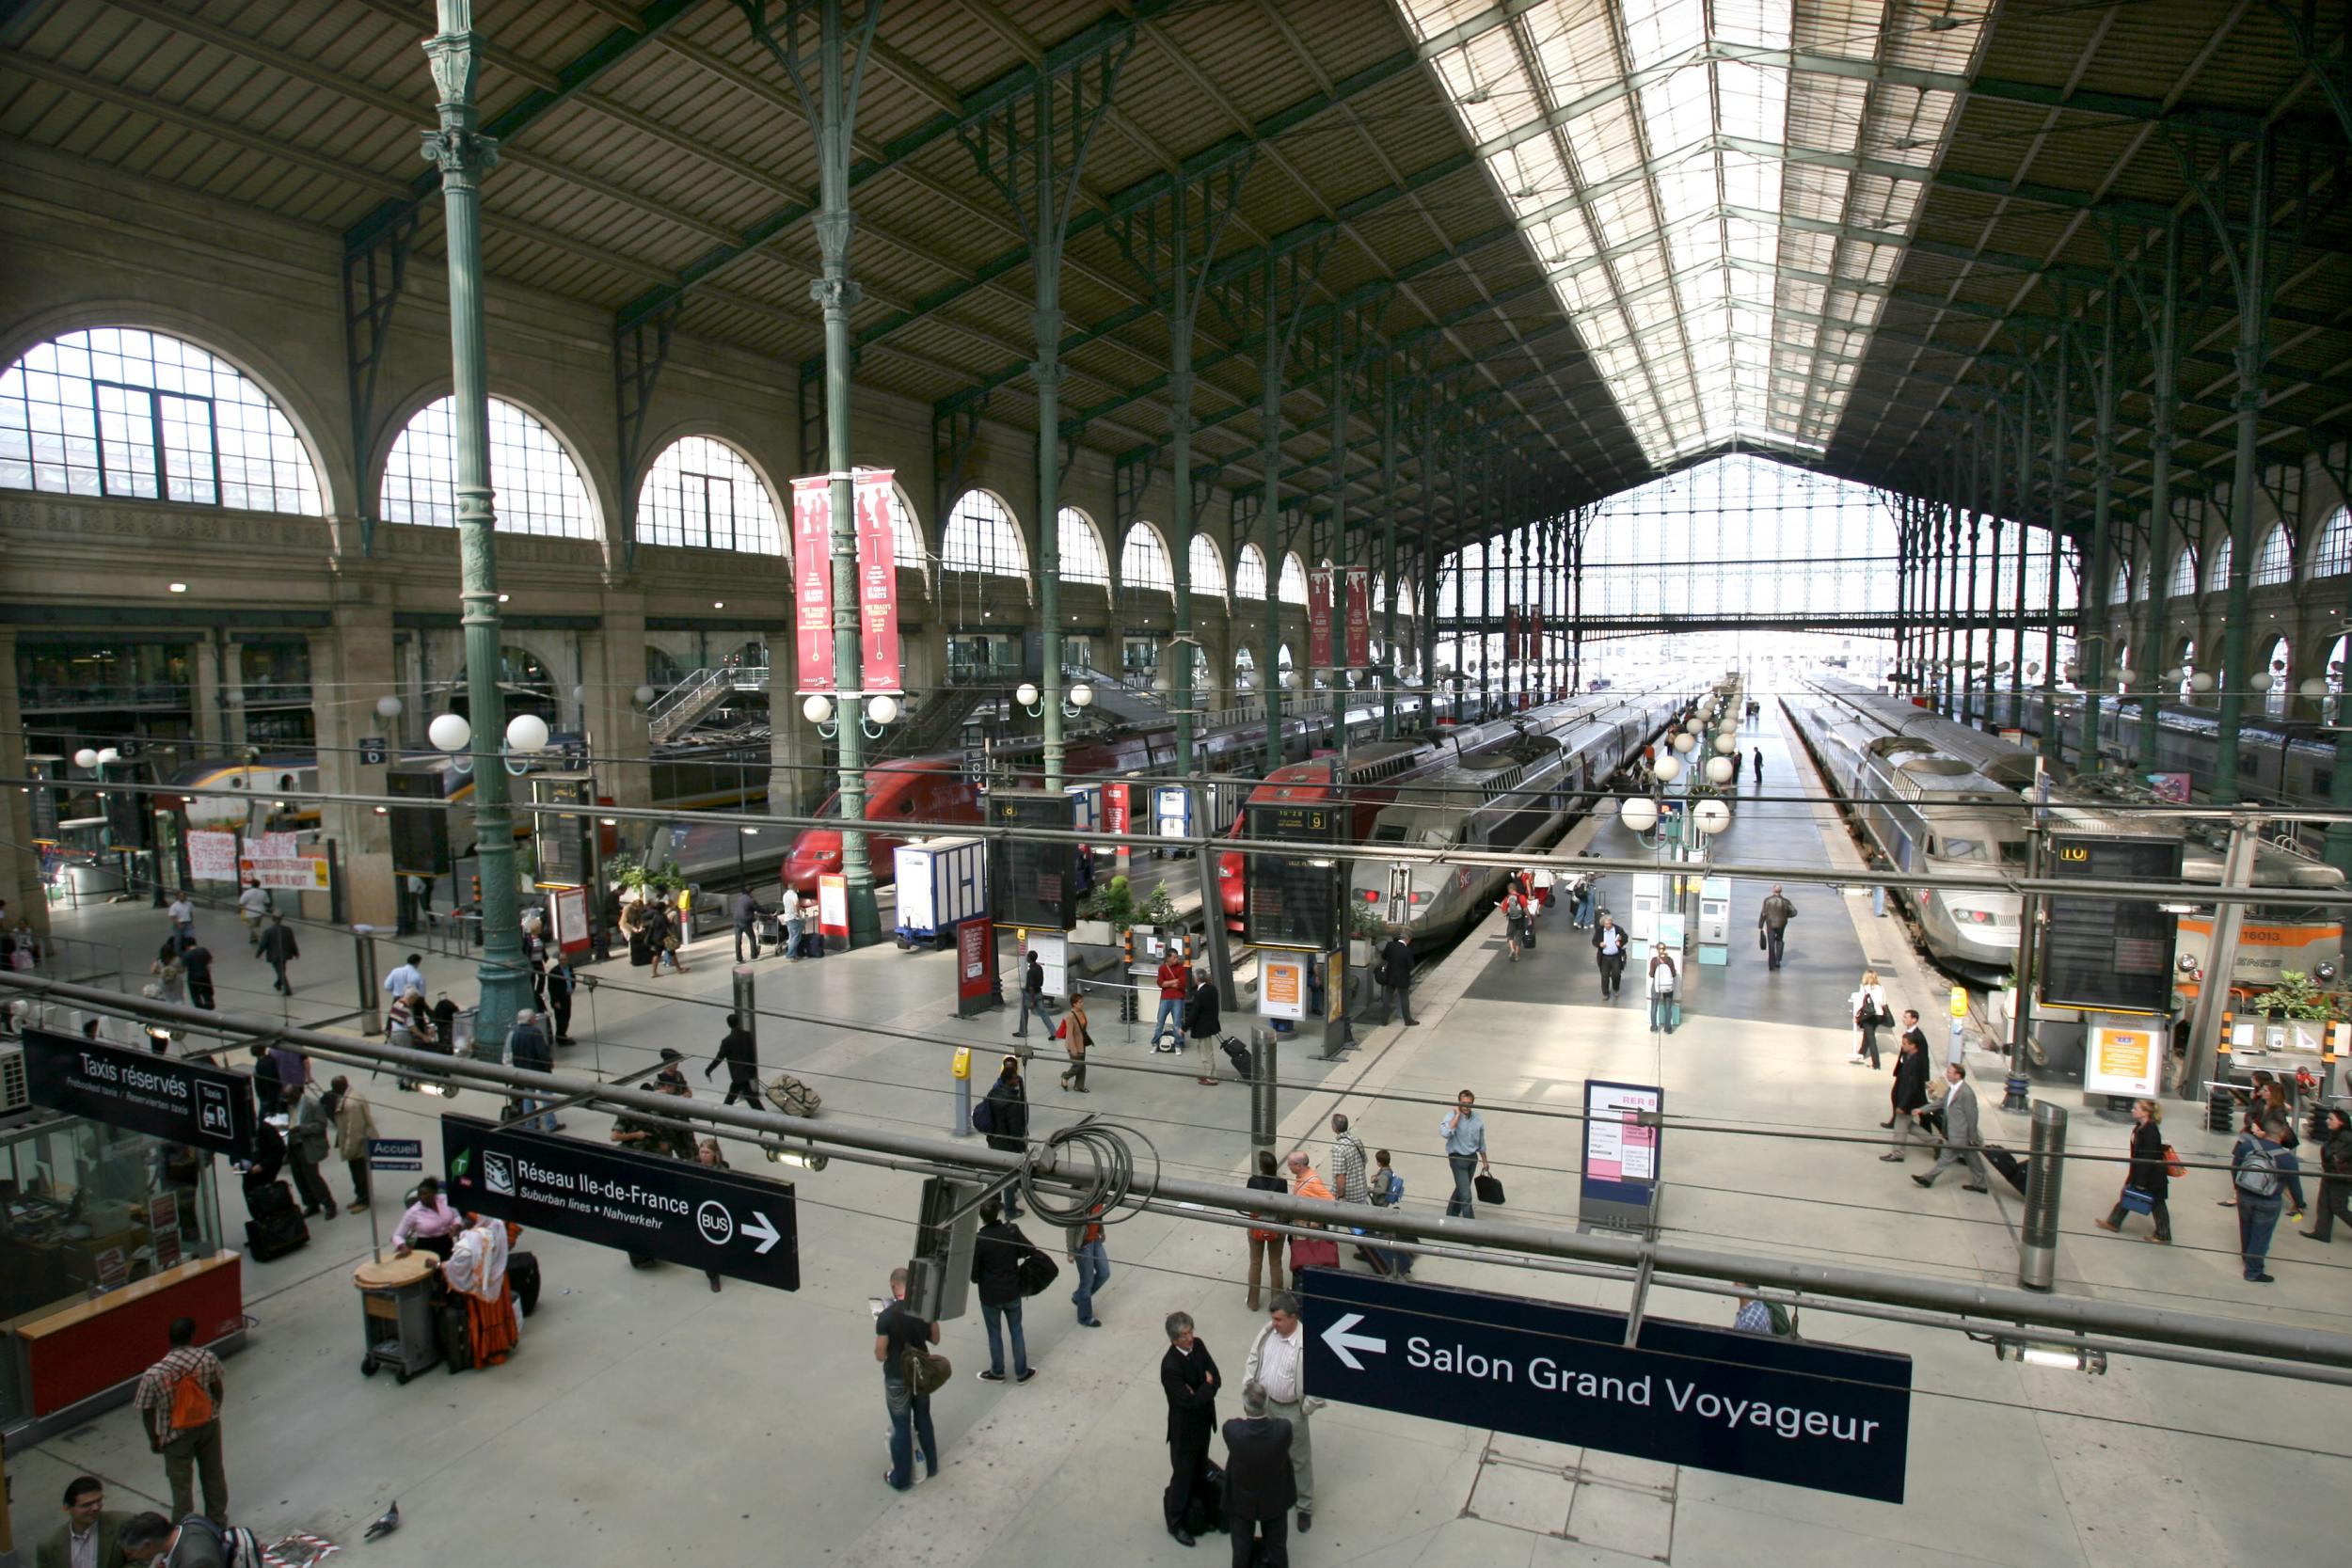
x,y
396,1315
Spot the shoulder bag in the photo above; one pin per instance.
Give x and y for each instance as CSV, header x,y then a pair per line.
x,y
1036,1272
924,1371
1489,1188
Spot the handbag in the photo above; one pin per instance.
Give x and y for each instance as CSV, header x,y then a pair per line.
x,y
924,1371
1763,942
2173,1166
1036,1272
1313,1252
1488,1188
2138,1201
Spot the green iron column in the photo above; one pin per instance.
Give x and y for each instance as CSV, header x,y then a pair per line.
x,y
2053,748
831,107
2091,622
1389,508
464,156
2016,718
2163,408
2253,349
1270,545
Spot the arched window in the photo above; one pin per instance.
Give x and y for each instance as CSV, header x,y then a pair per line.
x,y
1207,566
2142,579
116,411
1293,587
1143,562
523,680
2279,684
2217,569
2332,556
2123,592
534,486
1081,557
1406,604
2275,560
1245,664
906,540
1249,574
981,537
702,493
2184,572
1379,593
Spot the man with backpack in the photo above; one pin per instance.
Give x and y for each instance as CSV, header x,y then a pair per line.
x,y
897,1334
2260,1166
195,1542
178,1397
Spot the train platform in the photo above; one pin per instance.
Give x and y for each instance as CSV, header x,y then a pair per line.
x,y
646,1419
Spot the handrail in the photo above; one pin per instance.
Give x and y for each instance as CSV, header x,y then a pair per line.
x,y
675,710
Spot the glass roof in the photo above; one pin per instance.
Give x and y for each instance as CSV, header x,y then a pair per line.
x,y
1719,190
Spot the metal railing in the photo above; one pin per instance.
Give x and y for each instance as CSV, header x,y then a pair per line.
x,y
675,710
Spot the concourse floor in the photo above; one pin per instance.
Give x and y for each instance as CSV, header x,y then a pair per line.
x,y
646,1420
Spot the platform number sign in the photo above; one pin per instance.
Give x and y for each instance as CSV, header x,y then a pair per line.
x,y
1035,879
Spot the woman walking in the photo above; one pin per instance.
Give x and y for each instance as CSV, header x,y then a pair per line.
x,y
1663,975
1075,1039
1265,1246
1868,1007
2149,1180
2335,1185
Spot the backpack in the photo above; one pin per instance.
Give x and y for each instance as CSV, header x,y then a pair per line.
x,y
924,1371
238,1546
2258,1173
1391,1195
191,1403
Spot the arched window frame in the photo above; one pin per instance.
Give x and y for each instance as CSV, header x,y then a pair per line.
x,y
981,536
2121,593
1206,564
2331,552
1144,563
2274,562
1292,587
1249,574
906,538
706,484
547,495
2185,573
2217,565
1080,544
130,413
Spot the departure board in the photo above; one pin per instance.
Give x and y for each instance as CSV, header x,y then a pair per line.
x,y
2114,954
420,834
563,841
1036,880
1293,900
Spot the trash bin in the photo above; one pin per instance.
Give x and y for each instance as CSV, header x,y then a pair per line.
x,y
396,1315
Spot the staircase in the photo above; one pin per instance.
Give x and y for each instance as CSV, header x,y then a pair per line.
x,y
1115,702
680,708
937,725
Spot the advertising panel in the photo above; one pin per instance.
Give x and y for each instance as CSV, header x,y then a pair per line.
x,y
877,585
1319,618
812,583
2123,1061
1282,986
1358,617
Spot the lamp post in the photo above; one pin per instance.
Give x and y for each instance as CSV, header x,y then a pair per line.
x,y
463,155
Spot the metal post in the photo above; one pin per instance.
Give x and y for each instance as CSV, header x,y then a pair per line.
x,y
1389,509
2092,618
1264,1116
2062,421
2213,992
746,1002
1179,391
2037,1243
363,940
464,156
1991,422
2013,1093
2025,539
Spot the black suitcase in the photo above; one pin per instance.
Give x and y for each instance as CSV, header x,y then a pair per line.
x,y
811,942
1239,1054
276,1226
1204,1511
522,1271
456,1334
2013,1169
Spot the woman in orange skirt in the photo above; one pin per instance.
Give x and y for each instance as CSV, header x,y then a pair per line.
x,y
477,1270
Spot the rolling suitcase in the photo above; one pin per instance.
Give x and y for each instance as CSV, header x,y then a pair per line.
x,y
2013,1169
522,1271
769,931
276,1226
449,1315
1240,1055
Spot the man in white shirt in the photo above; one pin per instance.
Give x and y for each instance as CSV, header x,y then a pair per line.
x,y
1278,1360
183,915
790,912
407,977
252,907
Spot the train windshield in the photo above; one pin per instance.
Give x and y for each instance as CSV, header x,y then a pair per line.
x,y
1388,833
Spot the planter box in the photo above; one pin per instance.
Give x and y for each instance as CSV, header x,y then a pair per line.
x,y
1093,933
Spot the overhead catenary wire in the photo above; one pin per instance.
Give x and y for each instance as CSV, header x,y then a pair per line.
x,y
1998,1309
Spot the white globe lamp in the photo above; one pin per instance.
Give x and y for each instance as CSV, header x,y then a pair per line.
x,y
2313,688
1685,743
1639,813
645,696
881,709
1025,693
816,707
1712,816
107,755
2201,682
1726,743
451,733
388,708
86,759
2260,680
1082,695
527,732
1719,770
1668,770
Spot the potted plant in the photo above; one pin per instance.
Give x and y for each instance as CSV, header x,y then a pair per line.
x,y
1101,913
1363,928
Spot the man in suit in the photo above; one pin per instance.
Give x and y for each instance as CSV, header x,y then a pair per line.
x,y
1908,1096
87,1538
1961,1136
1188,1378
1259,1485
1397,976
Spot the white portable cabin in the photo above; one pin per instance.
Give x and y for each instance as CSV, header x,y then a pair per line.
x,y
942,882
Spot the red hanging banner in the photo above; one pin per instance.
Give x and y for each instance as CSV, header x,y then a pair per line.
x,y
1358,617
1319,618
812,583
877,585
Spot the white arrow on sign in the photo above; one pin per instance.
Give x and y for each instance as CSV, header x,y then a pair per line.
x,y
1341,1341
763,1230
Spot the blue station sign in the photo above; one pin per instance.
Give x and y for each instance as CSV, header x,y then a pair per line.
x,y
1806,1414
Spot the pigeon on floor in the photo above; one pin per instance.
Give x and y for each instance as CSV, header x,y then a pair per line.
x,y
385,1526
